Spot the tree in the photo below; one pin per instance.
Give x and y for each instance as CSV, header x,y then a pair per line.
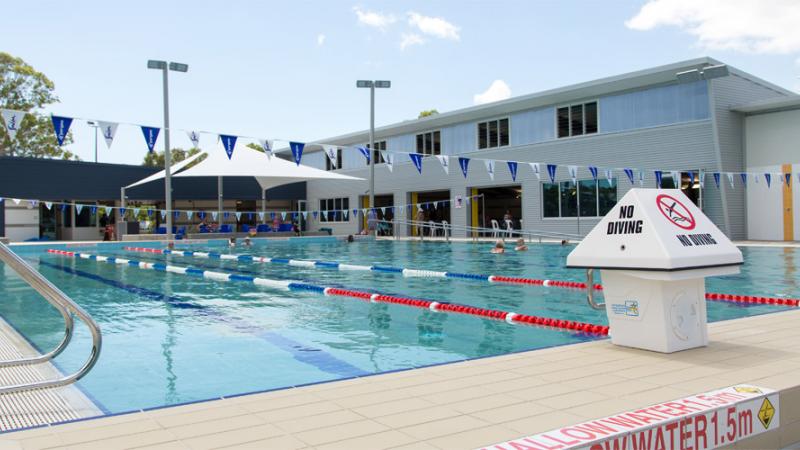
x,y
23,88
156,158
427,113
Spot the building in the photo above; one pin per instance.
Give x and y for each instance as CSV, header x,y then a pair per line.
x,y
652,119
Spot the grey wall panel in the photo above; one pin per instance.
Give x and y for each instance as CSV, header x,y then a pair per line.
x,y
670,147
661,105
459,138
533,126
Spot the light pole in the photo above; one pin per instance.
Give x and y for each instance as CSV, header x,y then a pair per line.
x,y
372,85
94,125
165,68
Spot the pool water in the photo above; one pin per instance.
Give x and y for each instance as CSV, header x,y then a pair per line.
x,y
171,338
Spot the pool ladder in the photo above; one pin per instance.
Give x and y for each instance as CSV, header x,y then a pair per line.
x,y
66,307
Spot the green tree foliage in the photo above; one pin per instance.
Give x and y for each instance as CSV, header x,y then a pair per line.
x,y
427,113
23,88
156,159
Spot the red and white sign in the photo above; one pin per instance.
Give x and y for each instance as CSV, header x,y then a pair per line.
x,y
675,211
698,422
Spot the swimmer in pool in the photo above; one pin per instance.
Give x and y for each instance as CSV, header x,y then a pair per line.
x,y
521,247
499,247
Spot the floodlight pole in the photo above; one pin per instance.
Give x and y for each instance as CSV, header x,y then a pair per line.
x,y
372,151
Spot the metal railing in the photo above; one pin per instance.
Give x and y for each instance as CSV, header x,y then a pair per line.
x,y
66,307
477,231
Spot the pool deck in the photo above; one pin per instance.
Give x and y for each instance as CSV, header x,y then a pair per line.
x,y
467,404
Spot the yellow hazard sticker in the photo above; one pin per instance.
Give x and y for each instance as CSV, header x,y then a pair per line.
x,y
766,413
747,389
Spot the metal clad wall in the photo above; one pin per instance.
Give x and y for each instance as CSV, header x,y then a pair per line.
x,y
402,143
727,92
533,126
652,107
668,147
458,139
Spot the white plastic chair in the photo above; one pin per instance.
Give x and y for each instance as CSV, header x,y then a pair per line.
x,y
509,228
445,224
432,226
495,228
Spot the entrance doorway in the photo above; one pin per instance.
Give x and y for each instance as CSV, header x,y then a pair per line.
x,y
384,204
497,204
689,185
435,208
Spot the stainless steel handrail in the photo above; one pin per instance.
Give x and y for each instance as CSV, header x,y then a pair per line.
x,y
590,291
528,233
63,304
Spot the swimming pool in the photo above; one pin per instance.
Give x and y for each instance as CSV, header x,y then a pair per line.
x,y
170,339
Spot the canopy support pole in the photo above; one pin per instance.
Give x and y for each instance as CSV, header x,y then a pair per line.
x,y
264,203
122,204
221,218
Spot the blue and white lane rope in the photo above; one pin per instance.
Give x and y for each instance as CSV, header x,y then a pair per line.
x,y
288,285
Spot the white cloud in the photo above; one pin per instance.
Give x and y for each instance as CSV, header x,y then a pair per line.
x,y
320,39
498,90
763,26
434,26
409,39
374,19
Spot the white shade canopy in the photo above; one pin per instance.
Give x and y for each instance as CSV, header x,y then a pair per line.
x,y
246,162
162,174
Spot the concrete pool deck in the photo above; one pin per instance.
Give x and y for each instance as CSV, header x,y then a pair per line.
x,y
466,404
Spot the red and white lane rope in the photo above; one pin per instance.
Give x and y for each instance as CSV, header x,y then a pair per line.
x,y
443,307
406,272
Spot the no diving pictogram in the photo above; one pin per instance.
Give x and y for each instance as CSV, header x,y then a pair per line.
x,y
675,211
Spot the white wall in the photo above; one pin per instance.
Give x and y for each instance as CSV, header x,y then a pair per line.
x,y
21,223
765,205
772,138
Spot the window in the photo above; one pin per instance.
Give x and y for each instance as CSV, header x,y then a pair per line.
x,y
429,143
334,209
493,133
376,154
564,199
329,166
576,120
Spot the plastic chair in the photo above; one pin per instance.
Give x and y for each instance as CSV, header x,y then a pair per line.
x,y
432,226
245,227
161,230
509,227
445,224
495,228
225,228
263,228
285,227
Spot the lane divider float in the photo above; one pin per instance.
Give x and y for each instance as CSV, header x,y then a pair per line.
x,y
713,296
288,285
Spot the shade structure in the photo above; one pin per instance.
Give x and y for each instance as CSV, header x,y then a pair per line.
x,y
175,168
269,171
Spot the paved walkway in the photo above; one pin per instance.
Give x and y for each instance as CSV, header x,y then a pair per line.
x,y
462,405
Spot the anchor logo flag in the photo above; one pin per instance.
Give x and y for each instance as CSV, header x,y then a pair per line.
x,y
551,171
445,161
464,164
658,178
297,151
61,126
691,179
390,161
150,136
266,145
194,136
261,216
330,150
788,177
730,179
163,214
512,167
716,179
536,171
744,179
676,177
238,215
489,168
609,175
189,214
78,208
641,178
629,173
364,151
214,215
573,173
12,119
229,142
593,171
416,158
109,130
702,179
768,177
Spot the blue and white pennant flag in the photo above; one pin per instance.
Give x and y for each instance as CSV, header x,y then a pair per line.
x,y
109,130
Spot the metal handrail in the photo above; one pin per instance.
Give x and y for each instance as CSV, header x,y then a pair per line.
x,y
590,291
528,233
65,306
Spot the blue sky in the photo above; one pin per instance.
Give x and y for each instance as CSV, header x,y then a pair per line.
x,y
287,70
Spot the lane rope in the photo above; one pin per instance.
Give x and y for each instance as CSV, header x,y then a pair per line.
x,y
289,285
424,273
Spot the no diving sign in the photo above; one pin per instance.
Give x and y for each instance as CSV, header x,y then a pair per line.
x,y
675,211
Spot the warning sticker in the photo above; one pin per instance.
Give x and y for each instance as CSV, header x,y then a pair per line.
x,y
766,413
675,211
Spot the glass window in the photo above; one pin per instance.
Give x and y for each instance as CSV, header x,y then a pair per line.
x,y
420,143
376,154
437,143
85,218
606,195
493,138
576,119
590,115
563,122
428,143
483,135
569,199
504,132
587,189
334,209
550,200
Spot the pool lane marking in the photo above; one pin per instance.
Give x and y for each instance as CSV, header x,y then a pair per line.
x,y
315,357
368,296
751,299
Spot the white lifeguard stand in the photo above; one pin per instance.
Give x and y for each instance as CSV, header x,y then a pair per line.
x,y
654,250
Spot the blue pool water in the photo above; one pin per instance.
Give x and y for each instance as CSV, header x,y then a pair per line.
x,y
171,338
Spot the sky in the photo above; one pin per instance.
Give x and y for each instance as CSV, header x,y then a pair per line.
x,y
287,70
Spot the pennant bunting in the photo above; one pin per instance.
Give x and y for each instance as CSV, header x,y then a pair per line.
x,y
691,180
12,120
593,171
551,171
702,178
364,151
658,178
489,168
149,213
609,175
512,168
229,142
226,214
788,177
150,136
214,215
109,130
315,214
267,146
444,160
641,178
261,216
573,173
330,151
61,126
629,173
716,179
48,205
238,216
194,136
464,164
189,214
416,158
297,151
730,179
78,208
390,161
676,178
305,215
283,216
164,214
768,177
744,179
536,171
